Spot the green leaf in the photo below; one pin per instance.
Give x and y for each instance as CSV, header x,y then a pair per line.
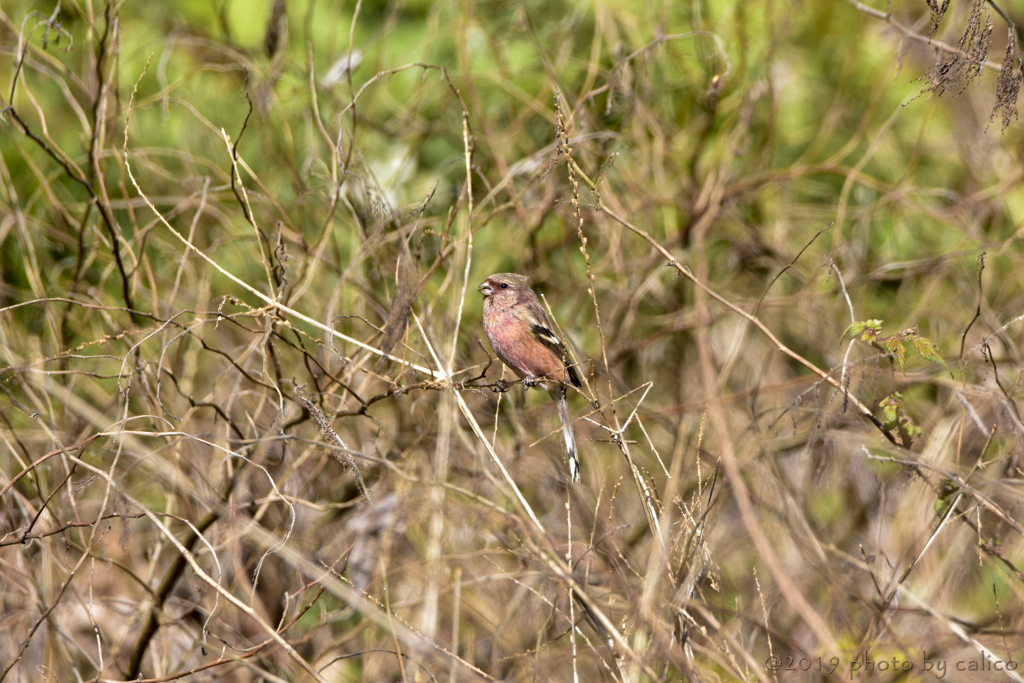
x,y
910,427
929,351
889,406
894,346
872,329
867,330
853,330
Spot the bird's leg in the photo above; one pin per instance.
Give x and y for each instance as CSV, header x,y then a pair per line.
x,y
529,382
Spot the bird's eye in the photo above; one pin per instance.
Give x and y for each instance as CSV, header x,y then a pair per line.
x,y
504,285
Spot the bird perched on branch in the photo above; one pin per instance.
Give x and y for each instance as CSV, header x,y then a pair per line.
x,y
521,336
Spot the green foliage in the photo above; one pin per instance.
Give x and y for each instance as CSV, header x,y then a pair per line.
x,y
896,345
945,490
868,331
897,418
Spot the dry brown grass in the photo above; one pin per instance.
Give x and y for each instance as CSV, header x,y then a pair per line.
x,y
250,430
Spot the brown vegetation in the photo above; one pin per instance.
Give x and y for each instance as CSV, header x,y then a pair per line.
x,y
250,427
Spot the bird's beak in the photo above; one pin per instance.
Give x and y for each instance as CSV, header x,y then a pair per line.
x,y
485,289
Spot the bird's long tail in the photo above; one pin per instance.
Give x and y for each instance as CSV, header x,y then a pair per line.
x,y
570,438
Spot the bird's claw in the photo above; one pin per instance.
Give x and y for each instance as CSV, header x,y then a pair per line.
x,y
501,386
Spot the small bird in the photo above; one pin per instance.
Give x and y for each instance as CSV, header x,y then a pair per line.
x,y
520,334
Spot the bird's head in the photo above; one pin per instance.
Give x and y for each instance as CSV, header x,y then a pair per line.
x,y
504,288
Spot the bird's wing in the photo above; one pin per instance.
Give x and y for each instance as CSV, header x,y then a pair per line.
x,y
541,328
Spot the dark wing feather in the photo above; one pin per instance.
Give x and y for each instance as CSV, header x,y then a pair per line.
x,y
551,340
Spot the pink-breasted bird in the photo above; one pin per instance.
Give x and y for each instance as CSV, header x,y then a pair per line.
x,y
522,337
